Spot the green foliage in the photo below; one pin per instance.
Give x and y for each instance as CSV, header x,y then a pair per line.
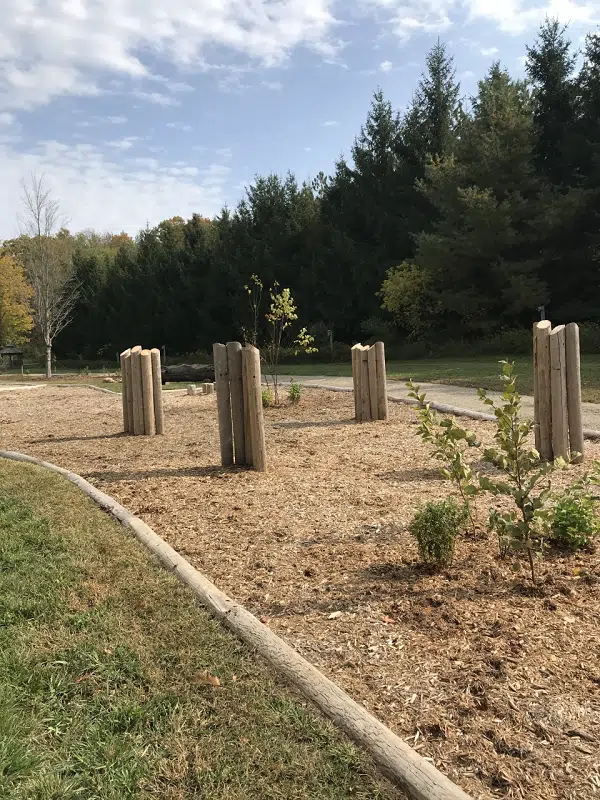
x,y
267,398
294,392
524,527
435,527
450,443
574,521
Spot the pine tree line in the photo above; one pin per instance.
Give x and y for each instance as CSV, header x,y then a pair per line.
x,y
453,221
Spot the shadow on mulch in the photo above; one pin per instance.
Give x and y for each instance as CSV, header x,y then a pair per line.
x,y
61,439
292,425
411,475
181,472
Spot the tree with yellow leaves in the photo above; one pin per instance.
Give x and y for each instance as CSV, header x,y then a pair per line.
x,y
16,321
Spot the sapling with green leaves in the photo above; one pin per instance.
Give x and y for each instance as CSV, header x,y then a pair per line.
x,y
450,443
523,528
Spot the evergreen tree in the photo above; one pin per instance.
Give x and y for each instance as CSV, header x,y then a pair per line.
x,y
550,64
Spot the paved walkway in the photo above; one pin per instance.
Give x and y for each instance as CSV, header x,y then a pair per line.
x,y
457,396
15,387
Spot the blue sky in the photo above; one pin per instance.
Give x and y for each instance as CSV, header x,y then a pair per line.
x,y
138,110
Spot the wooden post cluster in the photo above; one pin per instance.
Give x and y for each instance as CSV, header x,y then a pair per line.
x,y
369,381
142,392
239,405
557,418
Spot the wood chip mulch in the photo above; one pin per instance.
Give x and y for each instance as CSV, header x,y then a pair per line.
x,y
498,684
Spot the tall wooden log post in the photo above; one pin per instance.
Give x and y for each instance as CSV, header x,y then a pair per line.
x,y
355,351
382,398
147,393
365,397
125,390
558,365
247,430
536,399
136,390
255,410
236,388
372,366
543,389
574,391
159,414
223,403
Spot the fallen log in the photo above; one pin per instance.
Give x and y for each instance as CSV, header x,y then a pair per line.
x,y
188,373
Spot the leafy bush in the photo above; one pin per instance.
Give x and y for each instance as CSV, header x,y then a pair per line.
x,y
267,398
294,392
451,443
524,527
434,527
574,521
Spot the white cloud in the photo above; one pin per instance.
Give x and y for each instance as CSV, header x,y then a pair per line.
x,y
385,66
115,120
466,75
123,144
156,97
6,118
517,16
96,191
489,51
180,126
274,86
330,123
407,17
49,49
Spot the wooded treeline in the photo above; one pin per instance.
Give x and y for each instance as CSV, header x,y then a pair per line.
x,y
451,221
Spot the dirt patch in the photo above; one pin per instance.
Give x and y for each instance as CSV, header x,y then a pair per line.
x,y
498,685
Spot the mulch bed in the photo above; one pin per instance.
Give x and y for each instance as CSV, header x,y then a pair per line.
x,y
497,683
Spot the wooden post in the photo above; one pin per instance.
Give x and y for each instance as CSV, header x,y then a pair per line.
x,y
560,424
372,365
536,399
247,433
382,398
236,388
159,414
365,398
208,388
147,392
355,352
573,359
136,390
223,403
191,390
255,410
544,389
127,424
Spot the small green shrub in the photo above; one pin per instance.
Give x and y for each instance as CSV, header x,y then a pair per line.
x,y
574,521
267,398
435,527
84,371
294,392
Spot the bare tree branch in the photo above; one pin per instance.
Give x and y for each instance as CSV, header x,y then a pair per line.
x,y
48,263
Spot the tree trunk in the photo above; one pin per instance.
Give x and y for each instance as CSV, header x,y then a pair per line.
x,y
48,361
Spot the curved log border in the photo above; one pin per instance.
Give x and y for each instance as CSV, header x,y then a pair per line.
x,y
399,762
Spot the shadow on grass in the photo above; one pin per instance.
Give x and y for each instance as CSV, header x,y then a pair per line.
x,y
410,475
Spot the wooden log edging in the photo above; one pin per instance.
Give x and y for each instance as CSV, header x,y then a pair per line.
x,y
420,779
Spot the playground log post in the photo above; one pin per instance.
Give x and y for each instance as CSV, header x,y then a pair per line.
x,y
543,388
125,389
573,359
365,397
159,414
136,390
372,366
147,392
382,399
255,411
560,425
236,386
223,403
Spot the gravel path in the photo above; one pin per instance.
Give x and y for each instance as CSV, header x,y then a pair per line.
x,y
458,396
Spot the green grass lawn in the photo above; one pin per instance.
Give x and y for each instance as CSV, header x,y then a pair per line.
x,y
107,673
476,372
